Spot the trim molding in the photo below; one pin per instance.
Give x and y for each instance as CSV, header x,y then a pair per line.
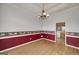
x,y
71,46
72,36
68,44
19,46
48,40
3,34
25,44
18,36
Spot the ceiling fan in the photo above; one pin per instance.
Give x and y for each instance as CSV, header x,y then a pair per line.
x,y
43,15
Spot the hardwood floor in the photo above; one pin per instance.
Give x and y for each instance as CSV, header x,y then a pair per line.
x,y
44,47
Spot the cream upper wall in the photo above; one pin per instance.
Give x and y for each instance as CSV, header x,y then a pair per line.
x,y
14,19
69,16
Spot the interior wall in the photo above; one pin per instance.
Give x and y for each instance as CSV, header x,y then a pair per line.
x,y
13,18
69,16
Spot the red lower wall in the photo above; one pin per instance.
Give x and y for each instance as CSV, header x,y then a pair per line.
x,y
49,36
14,41
72,41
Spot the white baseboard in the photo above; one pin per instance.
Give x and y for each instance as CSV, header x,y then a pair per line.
x,y
18,46
49,40
68,44
72,46
24,44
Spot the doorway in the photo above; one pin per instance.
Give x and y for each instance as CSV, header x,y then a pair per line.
x,y
60,32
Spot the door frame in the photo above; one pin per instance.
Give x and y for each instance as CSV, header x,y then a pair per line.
x,y
64,32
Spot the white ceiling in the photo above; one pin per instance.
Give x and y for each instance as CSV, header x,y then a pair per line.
x,y
35,8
